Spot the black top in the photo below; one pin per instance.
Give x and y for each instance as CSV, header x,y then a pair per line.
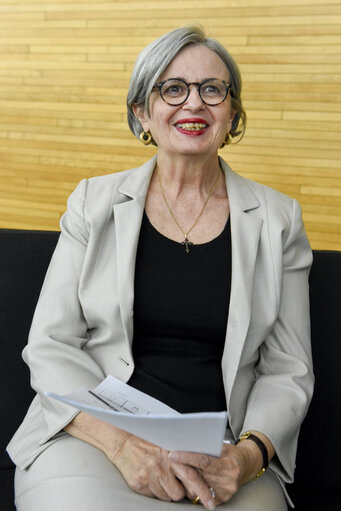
x,y
180,316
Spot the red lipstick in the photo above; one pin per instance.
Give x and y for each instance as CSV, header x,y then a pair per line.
x,y
192,126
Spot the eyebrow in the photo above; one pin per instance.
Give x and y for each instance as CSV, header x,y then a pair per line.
x,y
203,80
174,78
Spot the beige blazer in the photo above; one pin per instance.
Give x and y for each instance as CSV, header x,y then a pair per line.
x,y
83,325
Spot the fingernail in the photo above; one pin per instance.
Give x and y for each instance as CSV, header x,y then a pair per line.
x,y
211,504
173,456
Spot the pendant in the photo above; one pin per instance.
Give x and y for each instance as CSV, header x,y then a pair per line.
x,y
187,244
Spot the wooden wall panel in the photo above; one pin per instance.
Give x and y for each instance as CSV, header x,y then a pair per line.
x,y
64,71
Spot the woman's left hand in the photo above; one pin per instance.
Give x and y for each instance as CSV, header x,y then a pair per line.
x,y
236,465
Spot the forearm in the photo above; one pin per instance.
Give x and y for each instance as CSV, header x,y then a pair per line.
x,y
145,467
97,433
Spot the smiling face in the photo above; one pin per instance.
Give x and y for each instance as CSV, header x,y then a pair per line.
x,y
193,127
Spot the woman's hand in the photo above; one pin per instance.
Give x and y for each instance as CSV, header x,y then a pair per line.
x,y
237,465
221,474
154,472
147,469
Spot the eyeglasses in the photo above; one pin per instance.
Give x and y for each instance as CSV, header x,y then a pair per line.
x,y
175,91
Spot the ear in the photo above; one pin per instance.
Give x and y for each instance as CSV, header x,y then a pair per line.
x,y
230,121
141,115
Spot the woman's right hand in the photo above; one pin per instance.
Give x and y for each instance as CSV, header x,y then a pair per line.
x,y
150,471
147,469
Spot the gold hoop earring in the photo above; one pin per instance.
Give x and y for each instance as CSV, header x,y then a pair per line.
x,y
227,140
145,137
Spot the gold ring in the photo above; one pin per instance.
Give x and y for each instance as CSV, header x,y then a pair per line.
x,y
196,500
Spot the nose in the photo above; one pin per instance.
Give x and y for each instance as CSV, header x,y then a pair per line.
x,y
194,100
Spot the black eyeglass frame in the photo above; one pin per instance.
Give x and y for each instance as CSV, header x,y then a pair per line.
x,y
198,84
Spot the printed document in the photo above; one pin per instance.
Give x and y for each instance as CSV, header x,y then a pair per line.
x,y
127,408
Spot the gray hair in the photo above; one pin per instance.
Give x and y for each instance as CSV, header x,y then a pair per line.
x,y
154,59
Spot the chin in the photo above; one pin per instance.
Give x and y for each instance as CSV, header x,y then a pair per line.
x,y
194,151
195,147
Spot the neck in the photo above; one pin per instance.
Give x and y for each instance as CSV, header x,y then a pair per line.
x,y
187,174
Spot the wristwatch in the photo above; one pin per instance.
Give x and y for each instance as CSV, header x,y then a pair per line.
x,y
261,445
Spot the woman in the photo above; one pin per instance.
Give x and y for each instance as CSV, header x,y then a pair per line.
x,y
142,286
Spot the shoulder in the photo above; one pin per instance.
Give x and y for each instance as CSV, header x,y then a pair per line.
x,y
249,195
104,184
283,225
280,214
273,202
109,183
261,191
90,204
96,194
115,187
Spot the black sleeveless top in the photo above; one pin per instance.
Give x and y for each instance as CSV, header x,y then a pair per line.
x,y
180,315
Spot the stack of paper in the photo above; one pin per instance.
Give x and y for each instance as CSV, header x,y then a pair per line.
x,y
129,409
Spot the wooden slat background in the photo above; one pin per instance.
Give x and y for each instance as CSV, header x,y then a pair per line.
x,y
64,71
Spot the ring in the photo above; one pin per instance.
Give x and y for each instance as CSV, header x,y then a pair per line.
x,y
212,493
196,500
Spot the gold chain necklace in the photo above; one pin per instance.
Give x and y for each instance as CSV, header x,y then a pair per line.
x,y
187,242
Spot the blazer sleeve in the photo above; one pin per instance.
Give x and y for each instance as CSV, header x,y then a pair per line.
x,y
59,330
284,379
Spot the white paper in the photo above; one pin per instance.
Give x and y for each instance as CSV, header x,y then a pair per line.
x,y
149,418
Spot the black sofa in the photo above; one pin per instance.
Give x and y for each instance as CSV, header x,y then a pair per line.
x,y
24,257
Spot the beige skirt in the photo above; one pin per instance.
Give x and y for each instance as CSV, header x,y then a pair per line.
x,y
72,476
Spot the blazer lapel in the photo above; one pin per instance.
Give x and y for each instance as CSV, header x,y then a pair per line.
x,y
245,234
128,217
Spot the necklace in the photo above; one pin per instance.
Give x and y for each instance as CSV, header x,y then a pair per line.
x,y
187,242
